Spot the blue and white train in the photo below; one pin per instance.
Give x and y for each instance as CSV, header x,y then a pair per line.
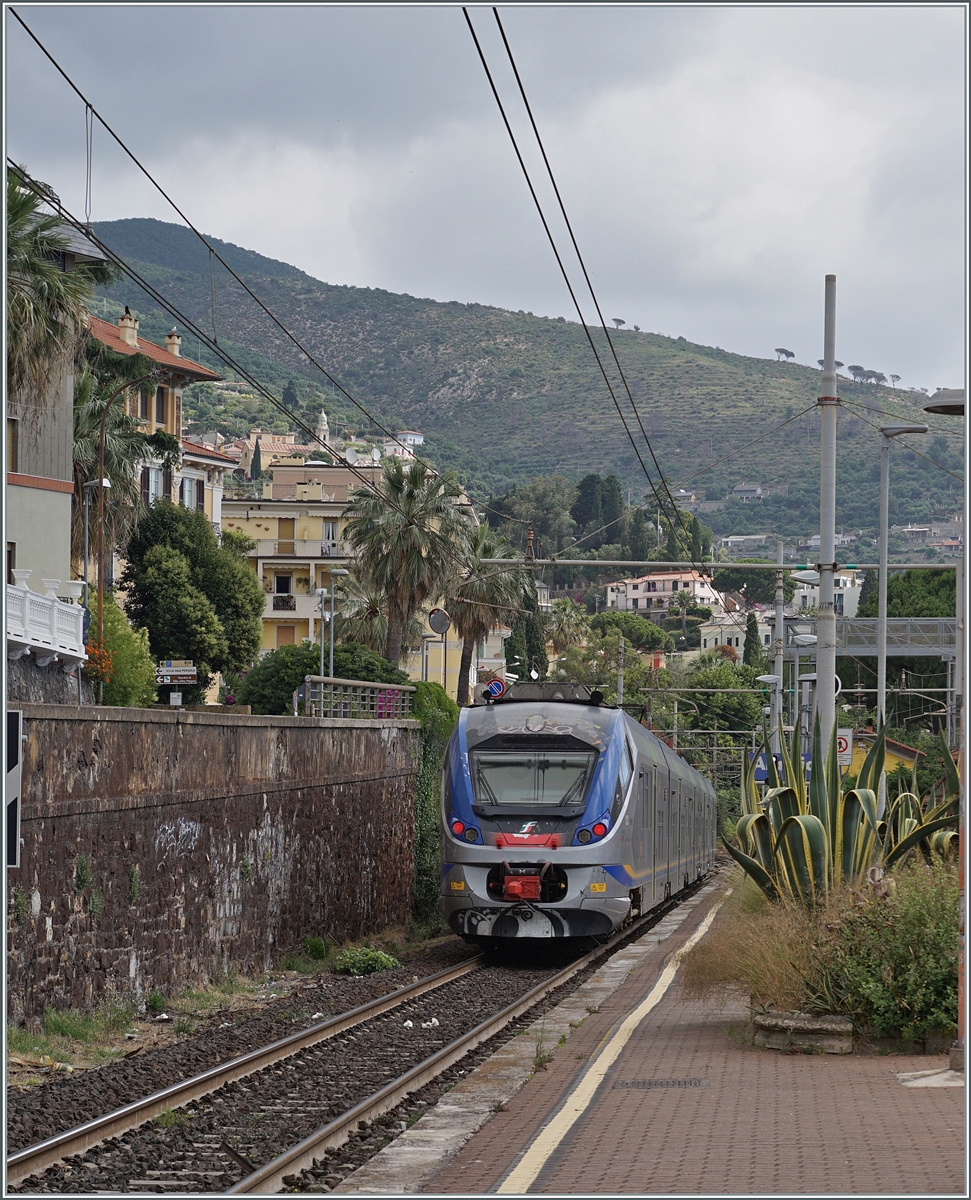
x,y
562,817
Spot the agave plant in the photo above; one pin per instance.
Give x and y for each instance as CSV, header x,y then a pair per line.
x,y
798,842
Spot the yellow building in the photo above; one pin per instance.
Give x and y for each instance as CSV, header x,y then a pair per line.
x,y
897,754
298,530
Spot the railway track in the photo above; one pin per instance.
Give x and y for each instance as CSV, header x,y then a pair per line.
x,y
223,1130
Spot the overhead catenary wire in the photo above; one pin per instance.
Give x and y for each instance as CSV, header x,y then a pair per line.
x,y
583,267
215,257
557,256
205,241
717,462
223,355
914,450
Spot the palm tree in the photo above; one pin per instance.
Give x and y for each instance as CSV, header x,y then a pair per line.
x,y
480,596
566,625
46,304
363,617
406,530
681,603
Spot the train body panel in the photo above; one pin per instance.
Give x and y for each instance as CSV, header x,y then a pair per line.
x,y
562,819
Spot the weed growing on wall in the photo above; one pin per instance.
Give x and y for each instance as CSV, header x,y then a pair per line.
x,y
437,714
83,875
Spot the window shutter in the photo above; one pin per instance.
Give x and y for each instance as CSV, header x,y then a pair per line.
x,y
201,495
146,496
160,406
167,484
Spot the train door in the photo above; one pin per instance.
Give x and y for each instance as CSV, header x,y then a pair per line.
x,y
642,831
661,833
651,858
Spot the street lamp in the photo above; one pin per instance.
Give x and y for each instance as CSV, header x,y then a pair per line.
x,y
105,483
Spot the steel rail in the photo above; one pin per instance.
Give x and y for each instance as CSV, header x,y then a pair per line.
x,y
269,1179
36,1158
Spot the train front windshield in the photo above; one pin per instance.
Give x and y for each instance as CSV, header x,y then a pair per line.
x,y
531,777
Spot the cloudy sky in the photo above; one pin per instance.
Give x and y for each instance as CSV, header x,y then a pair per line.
x,y
716,162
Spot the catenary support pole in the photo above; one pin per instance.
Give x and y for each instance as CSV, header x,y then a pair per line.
x,y
882,593
882,607
828,404
778,666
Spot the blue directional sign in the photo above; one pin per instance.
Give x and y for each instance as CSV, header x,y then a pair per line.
x,y
761,771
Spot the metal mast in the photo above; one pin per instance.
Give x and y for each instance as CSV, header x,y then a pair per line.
x,y
826,622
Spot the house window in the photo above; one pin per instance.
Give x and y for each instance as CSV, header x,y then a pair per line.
x,y
13,444
201,495
704,643
11,560
765,638
330,531
633,587
633,603
283,585
838,604
674,586
143,405
160,406
804,600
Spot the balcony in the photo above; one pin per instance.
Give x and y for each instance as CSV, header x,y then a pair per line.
x,y
297,605
296,548
44,625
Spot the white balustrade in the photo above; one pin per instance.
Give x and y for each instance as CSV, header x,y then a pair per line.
x,y
43,622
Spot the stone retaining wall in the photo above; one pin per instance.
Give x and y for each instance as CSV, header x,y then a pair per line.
x,y
164,848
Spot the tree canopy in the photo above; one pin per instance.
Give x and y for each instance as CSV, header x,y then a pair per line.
x,y
270,685
197,598
912,594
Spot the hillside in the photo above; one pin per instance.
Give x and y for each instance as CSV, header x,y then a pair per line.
x,y
503,396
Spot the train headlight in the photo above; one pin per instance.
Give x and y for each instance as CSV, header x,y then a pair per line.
x,y
584,836
471,835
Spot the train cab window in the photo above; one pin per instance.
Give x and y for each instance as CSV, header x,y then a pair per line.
x,y
624,774
532,778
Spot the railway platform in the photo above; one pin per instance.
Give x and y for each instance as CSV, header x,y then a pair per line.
x,y
646,1094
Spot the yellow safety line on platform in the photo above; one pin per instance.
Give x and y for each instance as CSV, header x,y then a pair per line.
x,y
524,1174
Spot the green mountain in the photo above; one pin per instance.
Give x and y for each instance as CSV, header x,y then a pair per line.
x,y
504,396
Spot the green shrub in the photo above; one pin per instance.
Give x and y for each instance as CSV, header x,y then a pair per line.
x,y
437,714
362,961
315,947
892,958
132,682
155,1003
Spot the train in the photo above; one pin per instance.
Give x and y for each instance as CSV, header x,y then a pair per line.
x,y
562,817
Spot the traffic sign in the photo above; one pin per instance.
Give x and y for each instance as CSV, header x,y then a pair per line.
x,y
496,688
844,746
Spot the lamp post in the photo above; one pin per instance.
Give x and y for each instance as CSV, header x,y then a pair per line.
x,y
887,433
333,589
105,483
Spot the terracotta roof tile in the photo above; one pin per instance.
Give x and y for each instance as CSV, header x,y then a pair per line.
x,y
110,335
191,447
